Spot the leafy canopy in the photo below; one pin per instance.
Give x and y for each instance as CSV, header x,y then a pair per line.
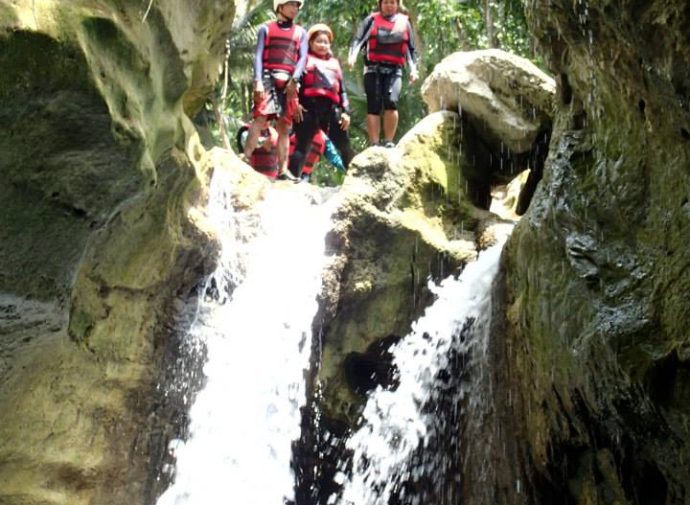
x,y
442,27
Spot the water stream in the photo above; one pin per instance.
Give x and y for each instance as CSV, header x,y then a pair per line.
x,y
408,443
256,329
255,325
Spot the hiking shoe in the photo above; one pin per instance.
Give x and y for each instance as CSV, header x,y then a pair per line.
x,y
388,144
287,176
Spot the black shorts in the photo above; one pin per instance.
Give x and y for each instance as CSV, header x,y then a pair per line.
x,y
383,91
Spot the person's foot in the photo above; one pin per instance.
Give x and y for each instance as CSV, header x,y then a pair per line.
x,y
286,175
388,144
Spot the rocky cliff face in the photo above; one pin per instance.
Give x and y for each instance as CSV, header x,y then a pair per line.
x,y
100,238
409,216
593,371
101,243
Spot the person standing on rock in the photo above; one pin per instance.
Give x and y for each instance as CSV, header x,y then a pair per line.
x,y
388,41
281,55
323,101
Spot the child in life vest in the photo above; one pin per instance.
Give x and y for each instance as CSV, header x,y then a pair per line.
x,y
388,42
323,101
281,55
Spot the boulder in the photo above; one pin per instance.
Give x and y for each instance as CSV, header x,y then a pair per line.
x,y
404,220
507,98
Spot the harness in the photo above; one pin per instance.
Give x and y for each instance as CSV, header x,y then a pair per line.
x,y
381,71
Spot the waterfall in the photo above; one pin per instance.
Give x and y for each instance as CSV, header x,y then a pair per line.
x,y
256,330
402,444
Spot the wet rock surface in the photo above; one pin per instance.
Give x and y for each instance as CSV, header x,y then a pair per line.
x,y
102,240
590,347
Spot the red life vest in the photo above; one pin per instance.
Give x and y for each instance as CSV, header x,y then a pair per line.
x,y
265,158
385,44
323,77
318,146
281,47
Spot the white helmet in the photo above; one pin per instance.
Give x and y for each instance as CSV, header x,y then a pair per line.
x,y
278,3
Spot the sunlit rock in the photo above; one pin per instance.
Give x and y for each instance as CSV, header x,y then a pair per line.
x,y
507,98
103,183
405,220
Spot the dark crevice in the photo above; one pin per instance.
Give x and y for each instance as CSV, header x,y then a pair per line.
x,y
364,371
537,159
566,90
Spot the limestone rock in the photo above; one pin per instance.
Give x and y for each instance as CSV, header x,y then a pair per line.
x,y
590,348
103,237
507,98
404,220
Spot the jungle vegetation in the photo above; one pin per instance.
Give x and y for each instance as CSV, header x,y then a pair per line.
x,y
442,27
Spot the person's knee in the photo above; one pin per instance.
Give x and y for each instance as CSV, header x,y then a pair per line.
x,y
259,123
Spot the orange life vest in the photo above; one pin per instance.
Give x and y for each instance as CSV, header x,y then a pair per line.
x,y
385,44
281,47
322,77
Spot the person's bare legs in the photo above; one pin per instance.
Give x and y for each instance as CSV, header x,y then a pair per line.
x,y
374,128
255,128
390,124
283,130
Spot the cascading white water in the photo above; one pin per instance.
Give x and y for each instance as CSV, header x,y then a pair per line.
x,y
397,423
258,342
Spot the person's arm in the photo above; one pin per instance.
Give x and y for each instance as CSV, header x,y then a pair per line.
x,y
259,54
411,55
361,38
302,59
345,106
344,100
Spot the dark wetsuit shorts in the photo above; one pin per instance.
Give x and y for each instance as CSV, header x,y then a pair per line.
x,y
383,91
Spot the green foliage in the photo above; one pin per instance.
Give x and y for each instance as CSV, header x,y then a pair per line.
x,y
442,27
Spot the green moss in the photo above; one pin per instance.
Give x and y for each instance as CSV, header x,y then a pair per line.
x,y
40,245
81,325
34,64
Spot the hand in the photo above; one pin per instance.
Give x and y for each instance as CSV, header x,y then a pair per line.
x,y
291,89
351,60
414,76
258,92
299,114
344,121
